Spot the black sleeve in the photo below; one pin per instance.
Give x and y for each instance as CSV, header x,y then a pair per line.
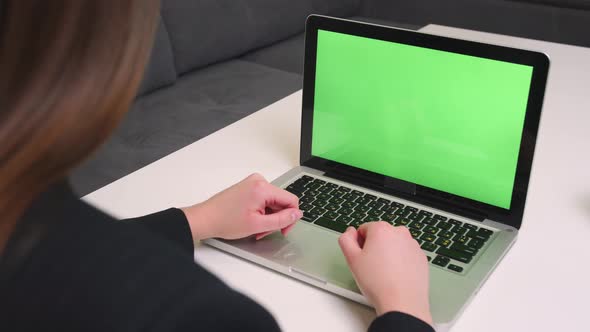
x,y
171,225
399,322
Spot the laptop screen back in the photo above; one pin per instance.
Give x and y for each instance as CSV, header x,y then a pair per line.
x,y
446,121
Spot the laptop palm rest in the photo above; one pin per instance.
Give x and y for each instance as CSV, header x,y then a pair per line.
x,y
308,253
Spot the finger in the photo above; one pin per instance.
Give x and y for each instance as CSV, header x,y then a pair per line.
x,y
368,229
287,229
277,220
349,244
363,230
263,234
277,197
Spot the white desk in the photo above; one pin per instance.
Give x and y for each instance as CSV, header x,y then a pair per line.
x,y
542,284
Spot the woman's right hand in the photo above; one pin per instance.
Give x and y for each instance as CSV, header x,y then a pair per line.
x,y
389,267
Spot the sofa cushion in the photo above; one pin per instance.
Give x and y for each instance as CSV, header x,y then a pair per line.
x,y
209,31
288,54
160,71
170,118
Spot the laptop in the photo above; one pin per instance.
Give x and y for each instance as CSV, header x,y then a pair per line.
x,y
432,133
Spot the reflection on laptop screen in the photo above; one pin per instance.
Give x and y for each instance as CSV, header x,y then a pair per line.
x,y
443,120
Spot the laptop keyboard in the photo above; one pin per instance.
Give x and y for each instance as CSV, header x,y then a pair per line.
x,y
448,243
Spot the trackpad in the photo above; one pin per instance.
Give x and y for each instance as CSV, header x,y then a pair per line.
x,y
315,251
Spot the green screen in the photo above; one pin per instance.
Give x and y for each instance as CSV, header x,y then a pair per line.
x,y
443,120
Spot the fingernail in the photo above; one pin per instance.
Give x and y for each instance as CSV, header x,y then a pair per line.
x,y
296,215
349,228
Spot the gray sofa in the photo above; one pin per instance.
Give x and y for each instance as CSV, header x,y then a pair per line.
x,y
213,63
216,61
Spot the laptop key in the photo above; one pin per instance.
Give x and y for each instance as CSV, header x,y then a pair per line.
x,y
375,212
411,209
306,206
338,194
332,215
332,207
306,199
300,182
456,255
388,217
439,217
375,205
415,216
425,213
429,221
324,196
337,200
444,225
403,221
306,178
428,237
349,204
356,223
485,232
476,243
319,203
331,224
383,201
309,217
371,197
464,248
415,233
477,235
318,211
417,225
441,261
429,246
312,193
446,234
358,215
460,238
455,268
350,197
295,191
470,226
459,230
397,205
345,219
443,242
402,213
455,222
364,201
345,211
431,230
315,185
370,218
362,208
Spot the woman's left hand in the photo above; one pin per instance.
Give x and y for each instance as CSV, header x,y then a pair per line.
x,y
252,206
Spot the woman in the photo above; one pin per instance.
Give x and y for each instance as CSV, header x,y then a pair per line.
x,y
70,69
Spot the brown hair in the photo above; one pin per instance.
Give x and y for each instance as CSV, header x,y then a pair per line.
x,y
69,70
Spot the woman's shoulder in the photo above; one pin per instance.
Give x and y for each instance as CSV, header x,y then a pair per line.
x,y
91,272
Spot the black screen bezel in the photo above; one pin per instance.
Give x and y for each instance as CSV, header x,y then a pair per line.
x,y
422,194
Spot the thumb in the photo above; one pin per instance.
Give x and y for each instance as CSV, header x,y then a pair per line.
x,y
349,244
277,220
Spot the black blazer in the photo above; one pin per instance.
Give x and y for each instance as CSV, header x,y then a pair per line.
x,y
71,267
